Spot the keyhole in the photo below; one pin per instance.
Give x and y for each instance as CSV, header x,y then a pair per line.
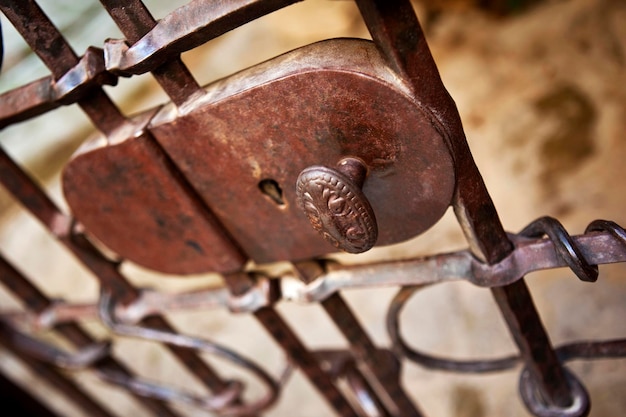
x,y
270,188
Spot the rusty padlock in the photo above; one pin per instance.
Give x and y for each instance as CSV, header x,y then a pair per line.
x,y
211,184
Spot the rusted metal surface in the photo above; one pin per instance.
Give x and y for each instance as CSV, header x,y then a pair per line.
x,y
223,400
134,20
207,183
151,303
337,120
54,51
225,160
129,172
47,94
296,351
80,359
565,247
343,364
530,255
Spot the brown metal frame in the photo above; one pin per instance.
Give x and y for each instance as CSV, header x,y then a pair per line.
x,y
372,372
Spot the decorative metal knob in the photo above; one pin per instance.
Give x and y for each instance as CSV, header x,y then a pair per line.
x,y
335,205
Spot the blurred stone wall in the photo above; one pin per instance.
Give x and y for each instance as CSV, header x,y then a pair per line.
x,y
542,94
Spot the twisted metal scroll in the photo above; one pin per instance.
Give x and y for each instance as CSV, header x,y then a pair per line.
x,y
571,254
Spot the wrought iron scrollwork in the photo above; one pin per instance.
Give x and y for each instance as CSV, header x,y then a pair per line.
x,y
569,251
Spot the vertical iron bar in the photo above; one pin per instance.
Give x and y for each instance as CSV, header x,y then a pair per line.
x,y
380,372
377,365
397,32
54,51
295,349
361,386
135,20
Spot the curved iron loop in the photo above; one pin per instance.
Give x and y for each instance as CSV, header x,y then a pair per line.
x,y
50,354
213,403
587,350
433,362
88,356
607,226
564,245
615,348
531,397
107,307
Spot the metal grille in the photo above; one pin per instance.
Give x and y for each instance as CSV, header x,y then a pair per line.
x,y
362,380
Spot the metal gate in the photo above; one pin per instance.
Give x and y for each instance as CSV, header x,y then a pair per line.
x,y
346,143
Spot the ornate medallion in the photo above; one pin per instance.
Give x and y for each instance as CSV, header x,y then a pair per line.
x,y
337,209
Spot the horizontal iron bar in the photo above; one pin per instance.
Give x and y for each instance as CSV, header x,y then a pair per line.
x,y
528,256
183,29
47,94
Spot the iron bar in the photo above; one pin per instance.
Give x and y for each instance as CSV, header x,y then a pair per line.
x,y
294,348
342,366
596,247
149,303
365,395
397,32
80,359
54,51
379,369
46,94
135,20
615,348
518,309
221,401
530,255
185,28
27,101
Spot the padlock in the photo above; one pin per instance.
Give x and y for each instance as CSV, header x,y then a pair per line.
x,y
211,184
